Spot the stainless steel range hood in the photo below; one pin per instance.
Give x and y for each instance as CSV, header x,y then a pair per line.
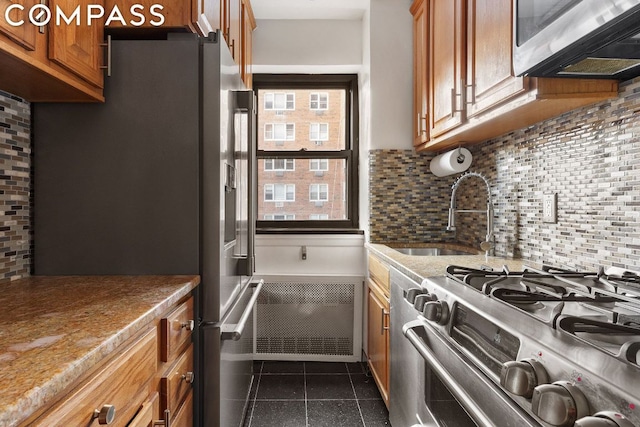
x,y
577,38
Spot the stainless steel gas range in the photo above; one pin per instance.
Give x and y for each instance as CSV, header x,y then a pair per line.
x,y
535,348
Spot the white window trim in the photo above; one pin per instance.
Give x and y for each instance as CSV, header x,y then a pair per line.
x,y
318,95
319,168
273,101
273,191
311,186
274,169
319,127
286,138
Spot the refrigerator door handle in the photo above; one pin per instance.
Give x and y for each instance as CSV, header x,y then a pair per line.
x,y
245,103
234,331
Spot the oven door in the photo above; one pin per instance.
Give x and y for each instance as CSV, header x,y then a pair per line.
x,y
454,392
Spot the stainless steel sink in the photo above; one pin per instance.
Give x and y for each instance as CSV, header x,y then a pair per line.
x,y
433,251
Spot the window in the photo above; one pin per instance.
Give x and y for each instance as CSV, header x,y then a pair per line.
x,y
319,192
317,217
279,164
319,101
324,195
279,132
279,192
318,165
280,101
279,217
319,131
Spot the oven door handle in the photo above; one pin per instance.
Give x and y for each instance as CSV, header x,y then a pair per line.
x,y
460,394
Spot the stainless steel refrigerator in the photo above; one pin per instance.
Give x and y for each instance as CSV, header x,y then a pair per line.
x,y
159,180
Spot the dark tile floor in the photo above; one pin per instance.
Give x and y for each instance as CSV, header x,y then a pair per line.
x,y
314,394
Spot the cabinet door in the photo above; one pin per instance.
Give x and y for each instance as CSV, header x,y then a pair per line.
x,y
77,47
420,12
446,65
378,341
490,75
248,25
24,35
234,29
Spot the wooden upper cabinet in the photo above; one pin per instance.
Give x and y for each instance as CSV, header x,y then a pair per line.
x,y
472,92
24,35
446,65
248,25
490,77
78,47
233,27
420,12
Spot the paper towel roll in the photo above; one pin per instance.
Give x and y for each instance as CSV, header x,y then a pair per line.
x,y
454,161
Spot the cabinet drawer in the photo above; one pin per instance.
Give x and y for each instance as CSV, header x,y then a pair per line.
x,y
122,383
147,413
184,416
176,330
379,272
176,383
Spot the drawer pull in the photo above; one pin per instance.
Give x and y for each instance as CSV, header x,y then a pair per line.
x,y
188,325
188,377
167,420
105,415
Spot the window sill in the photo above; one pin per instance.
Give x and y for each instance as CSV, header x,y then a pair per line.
x,y
274,230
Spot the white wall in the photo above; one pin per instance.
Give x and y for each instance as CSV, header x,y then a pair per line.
x,y
307,46
391,41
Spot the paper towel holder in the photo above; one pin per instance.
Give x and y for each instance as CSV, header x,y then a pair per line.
x,y
460,158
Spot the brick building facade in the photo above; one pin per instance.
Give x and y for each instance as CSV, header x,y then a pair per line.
x,y
301,188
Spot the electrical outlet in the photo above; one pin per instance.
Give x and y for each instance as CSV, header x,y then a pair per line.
x,y
549,207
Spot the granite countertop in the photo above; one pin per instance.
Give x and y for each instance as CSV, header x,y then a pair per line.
x,y
421,267
55,329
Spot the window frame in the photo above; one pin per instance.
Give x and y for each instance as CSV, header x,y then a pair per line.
x,y
317,83
319,126
286,186
318,101
286,101
286,132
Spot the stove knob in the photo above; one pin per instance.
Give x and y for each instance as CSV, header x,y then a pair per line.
x,y
604,419
436,311
413,293
520,378
421,300
559,404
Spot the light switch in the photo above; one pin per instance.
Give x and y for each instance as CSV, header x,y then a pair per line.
x,y
549,207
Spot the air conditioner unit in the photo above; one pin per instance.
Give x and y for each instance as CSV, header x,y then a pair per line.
x,y
279,204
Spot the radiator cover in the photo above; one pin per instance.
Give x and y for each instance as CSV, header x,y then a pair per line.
x,y
306,318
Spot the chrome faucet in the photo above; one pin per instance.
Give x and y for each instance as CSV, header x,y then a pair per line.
x,y
488,245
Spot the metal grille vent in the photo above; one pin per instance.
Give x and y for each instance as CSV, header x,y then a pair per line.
x,y
601,66
298,318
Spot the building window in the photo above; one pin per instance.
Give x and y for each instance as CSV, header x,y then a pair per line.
x,y
319,165
319,192
279,101
330,148
279,217
279,132
318,217
319,131
279,192
319,101
279,165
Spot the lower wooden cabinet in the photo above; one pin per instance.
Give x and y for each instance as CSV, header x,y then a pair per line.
x,y
378,325
136,386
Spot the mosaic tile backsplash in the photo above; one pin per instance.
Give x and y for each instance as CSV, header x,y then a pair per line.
x,y
589,157
15,164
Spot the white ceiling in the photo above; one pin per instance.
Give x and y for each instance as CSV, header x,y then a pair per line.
x,y
309,9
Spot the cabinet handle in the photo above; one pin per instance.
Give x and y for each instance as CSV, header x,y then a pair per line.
x,y
233,49
108,46
422,130
471,99
188,325
188,377
105,415
167,420
382,327
454,104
